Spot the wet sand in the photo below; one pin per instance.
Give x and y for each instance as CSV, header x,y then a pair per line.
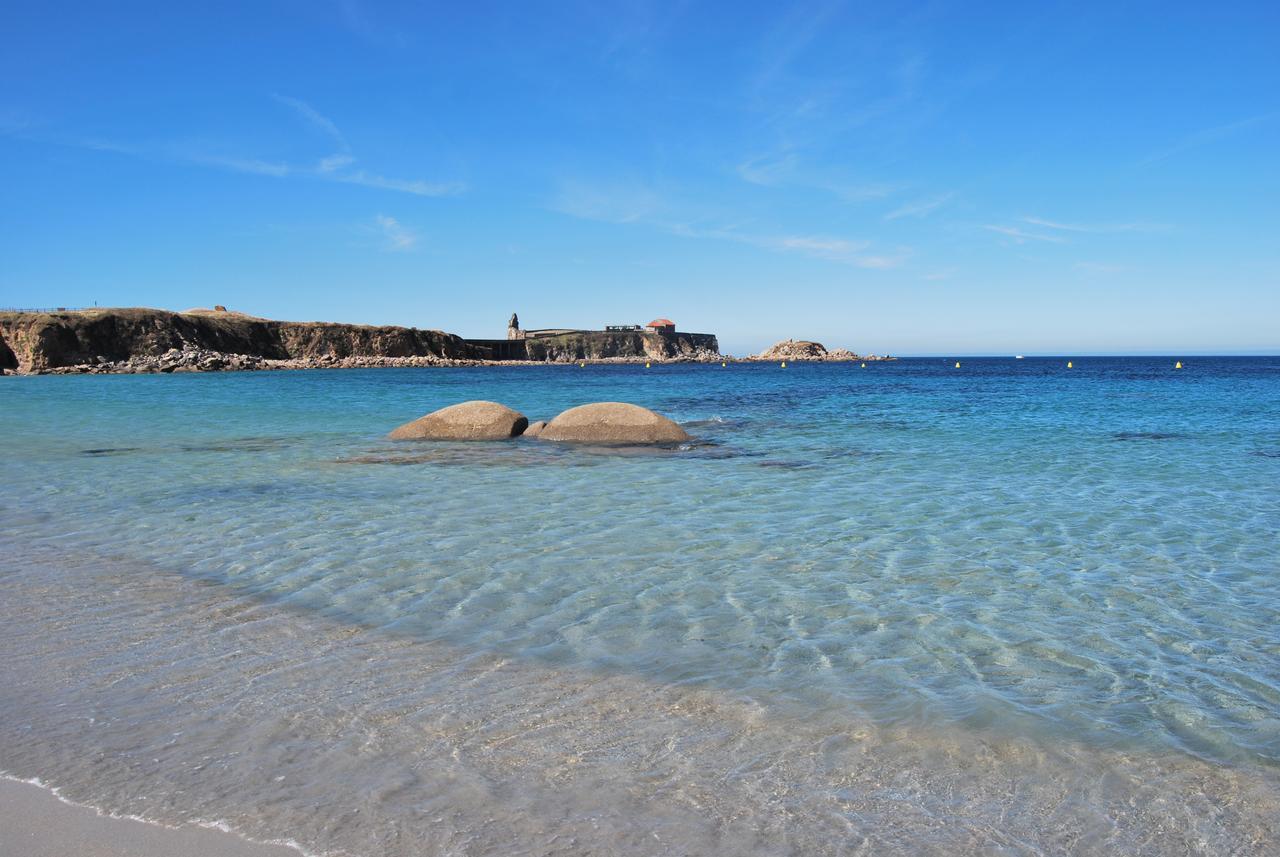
x,y
34,822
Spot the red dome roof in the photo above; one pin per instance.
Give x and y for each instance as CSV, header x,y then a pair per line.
x,y
661,322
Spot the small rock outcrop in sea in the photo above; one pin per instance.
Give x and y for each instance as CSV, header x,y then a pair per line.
x,y
612,423
478,420
535,428
794,349
803,349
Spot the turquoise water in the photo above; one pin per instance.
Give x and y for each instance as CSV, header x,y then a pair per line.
x,y
1007,552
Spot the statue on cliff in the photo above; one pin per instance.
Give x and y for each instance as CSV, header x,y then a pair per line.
x,y
513,328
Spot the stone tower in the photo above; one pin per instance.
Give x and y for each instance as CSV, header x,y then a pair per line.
x,y
513,328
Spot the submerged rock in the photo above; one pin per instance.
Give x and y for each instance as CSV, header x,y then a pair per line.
x,y
478,420
612,422
535,428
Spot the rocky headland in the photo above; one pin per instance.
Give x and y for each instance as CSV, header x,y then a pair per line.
x,y
152,340
137,340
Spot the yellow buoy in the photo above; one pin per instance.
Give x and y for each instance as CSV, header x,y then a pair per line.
x,y
1178,365
582,365
723,363
864,365
1068,364
957,364
784,364
646,364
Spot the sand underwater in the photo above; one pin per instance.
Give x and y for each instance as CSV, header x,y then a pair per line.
x,y
908,609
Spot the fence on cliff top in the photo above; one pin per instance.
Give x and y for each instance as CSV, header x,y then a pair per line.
x,y
43,308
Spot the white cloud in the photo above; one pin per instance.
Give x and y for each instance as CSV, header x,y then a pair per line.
x,y
413,186
306,111
1102,268
820,246
882,263
1207,136
920,208
1021,236
237,165
399,238
334,162
334,167
620,202
638,204
767,170
784,169
1094,227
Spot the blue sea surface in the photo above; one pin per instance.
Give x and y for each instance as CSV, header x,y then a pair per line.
x,y
1008,548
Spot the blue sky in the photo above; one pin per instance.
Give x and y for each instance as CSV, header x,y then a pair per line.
x,y
904,178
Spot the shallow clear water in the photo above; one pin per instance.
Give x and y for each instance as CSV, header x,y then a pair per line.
x,y
909,576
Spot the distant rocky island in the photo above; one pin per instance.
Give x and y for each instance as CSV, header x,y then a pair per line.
x,y
816,352
139,340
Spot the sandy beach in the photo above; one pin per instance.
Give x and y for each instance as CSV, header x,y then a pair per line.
x,y
34,822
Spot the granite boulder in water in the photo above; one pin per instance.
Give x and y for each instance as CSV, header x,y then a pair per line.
x,y
535,428
612,423
478,420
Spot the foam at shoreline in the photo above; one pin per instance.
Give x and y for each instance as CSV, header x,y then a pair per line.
x,y
36,820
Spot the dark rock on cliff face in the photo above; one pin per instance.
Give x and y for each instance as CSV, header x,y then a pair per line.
x,y
606,345
37,342
8,361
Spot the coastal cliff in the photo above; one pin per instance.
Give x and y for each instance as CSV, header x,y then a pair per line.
x,y
612,345
142,339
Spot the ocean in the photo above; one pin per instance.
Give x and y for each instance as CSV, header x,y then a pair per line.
x,y
906,608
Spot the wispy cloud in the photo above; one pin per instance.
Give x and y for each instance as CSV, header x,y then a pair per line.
x,y
1207,136
785,169
1021,236
768,170
358,21
335,167
1102,268
1057,232
237,165
638,204
1095,227
397,236
884,262
845,251
790,38
610,202
824,246
413,186
309,113
920,208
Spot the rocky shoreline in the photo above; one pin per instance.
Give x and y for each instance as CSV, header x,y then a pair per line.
x,y
202,360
